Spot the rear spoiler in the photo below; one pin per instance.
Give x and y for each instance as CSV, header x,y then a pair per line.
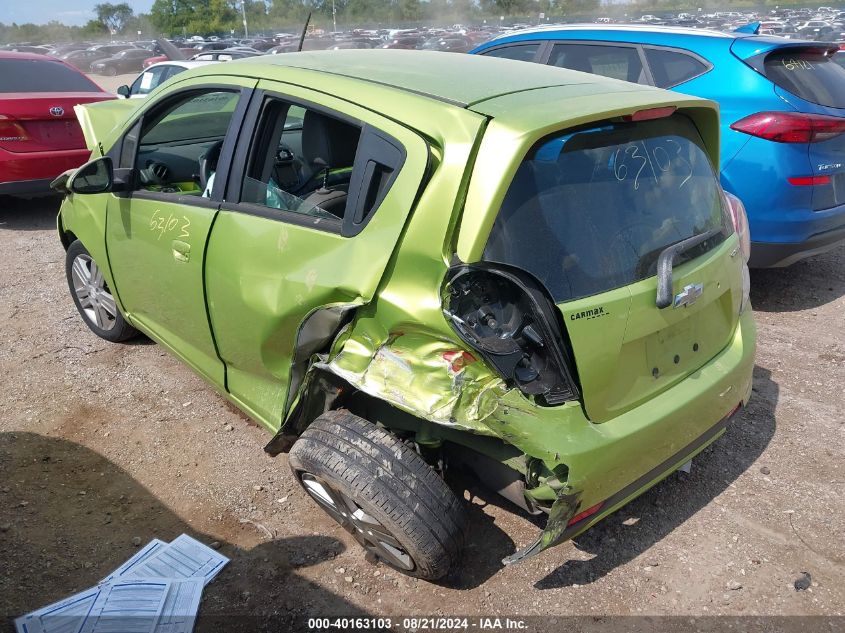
x,y
97,120
753,50
752,27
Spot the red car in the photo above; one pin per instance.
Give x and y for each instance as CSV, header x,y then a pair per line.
x,y
187,52
39,134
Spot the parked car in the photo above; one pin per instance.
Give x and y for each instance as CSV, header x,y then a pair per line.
x,y
782,108
532,308
111,49
187,52
225,55
155,75
84,58
128,61
451,44
39,134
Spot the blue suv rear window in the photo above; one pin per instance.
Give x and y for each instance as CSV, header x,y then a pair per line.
x,y
591,211
808,73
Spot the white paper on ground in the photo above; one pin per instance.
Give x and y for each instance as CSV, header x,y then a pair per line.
x,y
65,616
140,556
183,557
181,606
127,606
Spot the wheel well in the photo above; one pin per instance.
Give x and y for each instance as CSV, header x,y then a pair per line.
x,y
67,237
501,466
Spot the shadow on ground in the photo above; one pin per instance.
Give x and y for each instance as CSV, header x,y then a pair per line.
x,y
811,283
33,214
68,517
619,539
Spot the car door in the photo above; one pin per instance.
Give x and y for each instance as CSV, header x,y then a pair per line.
x,y
314,207
156,233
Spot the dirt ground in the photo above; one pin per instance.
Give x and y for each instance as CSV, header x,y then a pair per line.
x,y
102,443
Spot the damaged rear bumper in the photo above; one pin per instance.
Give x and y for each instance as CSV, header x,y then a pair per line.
x,y
565,521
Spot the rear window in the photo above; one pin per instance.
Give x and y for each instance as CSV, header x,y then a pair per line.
x,y
810,74
35,75
591,211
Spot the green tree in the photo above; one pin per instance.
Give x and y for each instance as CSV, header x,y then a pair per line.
x,y
113,16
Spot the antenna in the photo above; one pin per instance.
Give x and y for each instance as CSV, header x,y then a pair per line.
x,y
304,29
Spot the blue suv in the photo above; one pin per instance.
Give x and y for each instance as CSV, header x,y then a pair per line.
x,y
782,106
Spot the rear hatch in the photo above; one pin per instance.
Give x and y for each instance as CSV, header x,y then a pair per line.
x,y
36,105
809,81
589,213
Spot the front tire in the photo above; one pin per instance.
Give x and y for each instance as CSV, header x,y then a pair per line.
x,y
93,298
110,71
381,492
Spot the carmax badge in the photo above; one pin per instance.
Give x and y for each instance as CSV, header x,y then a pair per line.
x,y
688,295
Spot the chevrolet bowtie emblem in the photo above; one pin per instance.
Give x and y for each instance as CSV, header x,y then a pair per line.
x,y
688,295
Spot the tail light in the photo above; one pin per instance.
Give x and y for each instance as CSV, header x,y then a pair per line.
x,y
739,219
791,127
11,132
508,317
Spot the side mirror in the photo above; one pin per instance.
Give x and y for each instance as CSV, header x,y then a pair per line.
x,y
96,176
123,91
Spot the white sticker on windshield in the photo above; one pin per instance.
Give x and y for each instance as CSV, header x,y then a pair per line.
x,y
147,81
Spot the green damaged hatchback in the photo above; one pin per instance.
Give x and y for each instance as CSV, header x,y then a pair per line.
x,y
405,263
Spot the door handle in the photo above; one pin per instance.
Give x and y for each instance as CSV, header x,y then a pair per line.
x,y
181,250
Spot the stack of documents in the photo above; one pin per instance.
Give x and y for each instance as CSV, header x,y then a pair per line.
x,y
158,590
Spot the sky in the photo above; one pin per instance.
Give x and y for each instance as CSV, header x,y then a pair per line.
x,y
68,12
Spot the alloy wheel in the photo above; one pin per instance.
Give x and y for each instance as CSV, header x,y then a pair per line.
x,y
95,300
370,533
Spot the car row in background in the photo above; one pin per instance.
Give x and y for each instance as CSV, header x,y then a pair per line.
x,y
782,105
40,136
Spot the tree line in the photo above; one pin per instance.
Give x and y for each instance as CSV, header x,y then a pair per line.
x,y
173,18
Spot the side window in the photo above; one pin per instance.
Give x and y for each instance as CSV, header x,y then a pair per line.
x,y
519,52
148,80
670,68
301,161
179,145
317,165
617,62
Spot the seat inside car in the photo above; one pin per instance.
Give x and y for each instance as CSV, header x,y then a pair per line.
x,y
328,145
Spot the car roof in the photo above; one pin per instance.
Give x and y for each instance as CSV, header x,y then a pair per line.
x,y
461,80
636,28
184,63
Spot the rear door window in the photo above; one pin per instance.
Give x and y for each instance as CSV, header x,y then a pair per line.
x,y
617,62
670,68
591,211
519,52
35,75
808,73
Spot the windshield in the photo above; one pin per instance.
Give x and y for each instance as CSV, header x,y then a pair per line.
x,y
810,74
35,75
592,210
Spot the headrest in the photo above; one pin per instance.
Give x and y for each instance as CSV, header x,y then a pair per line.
x,y
333,141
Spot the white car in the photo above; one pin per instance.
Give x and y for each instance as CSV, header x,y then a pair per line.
x,y
155,75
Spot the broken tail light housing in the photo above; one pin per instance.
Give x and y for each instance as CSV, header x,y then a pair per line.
x,y
739,219
791,127
509,318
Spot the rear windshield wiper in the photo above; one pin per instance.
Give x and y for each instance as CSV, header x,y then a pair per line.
x,y
667,259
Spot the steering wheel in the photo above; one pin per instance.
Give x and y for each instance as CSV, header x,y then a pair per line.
x,y
208,163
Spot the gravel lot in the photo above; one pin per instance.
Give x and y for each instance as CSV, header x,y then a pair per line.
x,y
103,443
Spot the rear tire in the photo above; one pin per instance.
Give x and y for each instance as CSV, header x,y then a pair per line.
x,y
93,298
381,492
